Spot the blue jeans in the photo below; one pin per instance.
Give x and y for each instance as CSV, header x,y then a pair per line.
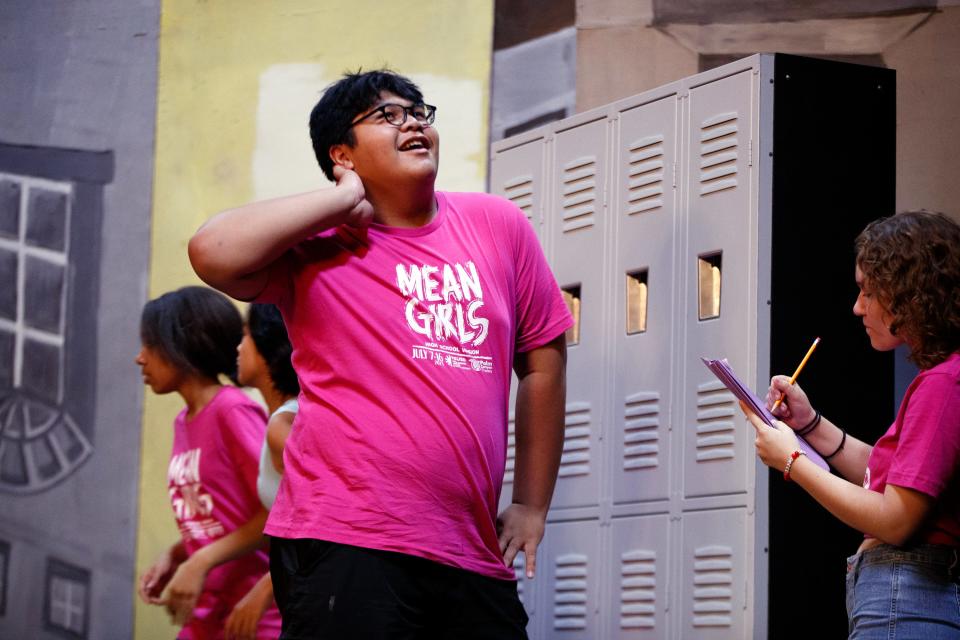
x,y
904,593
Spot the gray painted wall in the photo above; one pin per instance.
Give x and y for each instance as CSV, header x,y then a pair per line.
x,y
533,83
82,76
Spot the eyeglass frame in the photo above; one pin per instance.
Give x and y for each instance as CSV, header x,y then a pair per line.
x,y
407,112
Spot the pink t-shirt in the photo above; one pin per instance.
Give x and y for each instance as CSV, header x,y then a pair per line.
x,y
921,450
404,342
212,481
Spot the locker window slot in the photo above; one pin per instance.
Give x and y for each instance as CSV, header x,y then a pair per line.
x,y
571,295
636,301
708,285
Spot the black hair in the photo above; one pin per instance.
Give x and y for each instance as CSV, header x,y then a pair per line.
x,y
270,337
196,329
347,98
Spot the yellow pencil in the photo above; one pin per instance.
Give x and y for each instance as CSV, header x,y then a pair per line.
x,y
796,373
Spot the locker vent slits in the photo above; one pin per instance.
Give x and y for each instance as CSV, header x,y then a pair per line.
x,y
570,592
641,437
715,422
579,195
638,589
519,191
645,172
511,447
713,586
718,153
575,460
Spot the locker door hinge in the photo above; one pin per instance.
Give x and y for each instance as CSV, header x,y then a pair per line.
x,y
750,152
674,177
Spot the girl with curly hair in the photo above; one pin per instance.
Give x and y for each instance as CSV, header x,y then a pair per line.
x,y
903,493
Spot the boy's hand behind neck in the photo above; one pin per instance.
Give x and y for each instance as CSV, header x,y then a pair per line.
x,y
360,213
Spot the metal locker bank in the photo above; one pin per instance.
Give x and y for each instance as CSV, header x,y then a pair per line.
x,y
713,216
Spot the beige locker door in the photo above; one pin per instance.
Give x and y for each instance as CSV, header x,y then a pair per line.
x,y
716,258
643,285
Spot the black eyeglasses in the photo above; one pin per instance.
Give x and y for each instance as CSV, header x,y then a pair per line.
x,y
396,114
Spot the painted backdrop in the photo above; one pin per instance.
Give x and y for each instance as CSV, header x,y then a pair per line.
x,y
236,83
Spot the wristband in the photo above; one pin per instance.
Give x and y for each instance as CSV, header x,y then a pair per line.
x,y
843,441
810,426
793,457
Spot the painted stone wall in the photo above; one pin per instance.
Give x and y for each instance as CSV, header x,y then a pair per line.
x,y
76,165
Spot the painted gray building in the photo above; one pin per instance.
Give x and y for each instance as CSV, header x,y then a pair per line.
x,y
76,166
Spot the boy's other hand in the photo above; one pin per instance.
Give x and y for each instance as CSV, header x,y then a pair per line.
x,y
520,528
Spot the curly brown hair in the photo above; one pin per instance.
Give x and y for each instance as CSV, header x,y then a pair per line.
x,y
911,261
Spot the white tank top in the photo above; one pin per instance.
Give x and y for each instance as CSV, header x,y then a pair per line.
x,y
268,480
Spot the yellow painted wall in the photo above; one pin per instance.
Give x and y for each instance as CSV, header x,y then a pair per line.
x,y
236,83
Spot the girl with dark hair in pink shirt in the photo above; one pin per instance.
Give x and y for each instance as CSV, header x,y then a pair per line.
x,y
903,492
190,337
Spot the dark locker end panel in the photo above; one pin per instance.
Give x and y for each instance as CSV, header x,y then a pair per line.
x,y
834,171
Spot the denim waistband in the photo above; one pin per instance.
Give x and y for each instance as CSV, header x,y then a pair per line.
x,y
928,554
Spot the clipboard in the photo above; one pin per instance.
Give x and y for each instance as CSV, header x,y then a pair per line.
x,y
721,369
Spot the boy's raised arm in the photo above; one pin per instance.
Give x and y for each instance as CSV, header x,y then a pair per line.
x,y
233,250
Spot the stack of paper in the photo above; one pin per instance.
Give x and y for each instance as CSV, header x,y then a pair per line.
x,y
721,369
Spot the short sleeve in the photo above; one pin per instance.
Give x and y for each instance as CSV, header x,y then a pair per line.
x,y
928,451
542,315
279,281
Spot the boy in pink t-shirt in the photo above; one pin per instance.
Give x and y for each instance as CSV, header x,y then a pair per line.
x,y
407,309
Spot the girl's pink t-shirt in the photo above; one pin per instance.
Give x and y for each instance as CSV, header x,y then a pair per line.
x,y
921,450
212,482
404,340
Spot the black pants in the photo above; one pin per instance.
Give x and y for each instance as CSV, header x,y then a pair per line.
x,y
327,590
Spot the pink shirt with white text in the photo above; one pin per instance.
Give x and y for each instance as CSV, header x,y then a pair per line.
x,y
404,341
212,481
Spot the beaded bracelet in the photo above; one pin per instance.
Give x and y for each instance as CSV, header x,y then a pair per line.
x,y
810,426
843,441
793,457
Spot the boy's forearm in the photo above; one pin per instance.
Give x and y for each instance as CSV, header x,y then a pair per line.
x,y
539,428
239,243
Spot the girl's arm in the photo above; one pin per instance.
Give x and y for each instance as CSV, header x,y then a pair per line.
x,y
891,517
156,577
851,460
797,413
184,588
243,620
278,430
